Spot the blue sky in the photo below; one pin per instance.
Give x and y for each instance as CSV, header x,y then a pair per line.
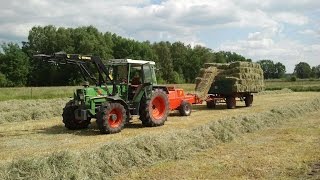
x,y
284,31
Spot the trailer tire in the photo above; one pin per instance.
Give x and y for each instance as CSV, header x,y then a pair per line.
x,y
154,112
69,119
111,118
231,102
211,104
185,108
248,99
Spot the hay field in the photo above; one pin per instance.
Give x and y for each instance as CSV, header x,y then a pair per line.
x,y
45,149
287,151
25,93
49,135
20,93
298,86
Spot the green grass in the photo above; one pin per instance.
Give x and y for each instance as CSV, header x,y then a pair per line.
x,y
298,86
36,92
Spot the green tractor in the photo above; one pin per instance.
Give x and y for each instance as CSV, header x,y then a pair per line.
x,y
124,88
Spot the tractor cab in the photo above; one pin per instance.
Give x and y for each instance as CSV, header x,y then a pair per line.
x,y
130,77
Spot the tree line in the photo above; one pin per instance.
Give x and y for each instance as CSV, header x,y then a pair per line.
x,y
177,62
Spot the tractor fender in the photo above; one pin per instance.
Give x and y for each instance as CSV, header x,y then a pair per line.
x,y
163,87
118,100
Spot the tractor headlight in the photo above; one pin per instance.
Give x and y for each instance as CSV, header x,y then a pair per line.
x,y
77,102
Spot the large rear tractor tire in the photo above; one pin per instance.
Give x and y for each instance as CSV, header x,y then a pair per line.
x,y
231,102
111,118
154,112
70,120
185,108
248,99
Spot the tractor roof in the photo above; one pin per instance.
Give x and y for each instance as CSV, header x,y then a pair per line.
x,y
130,61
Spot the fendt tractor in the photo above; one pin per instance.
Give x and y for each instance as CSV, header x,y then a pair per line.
x,y
115,97
123,88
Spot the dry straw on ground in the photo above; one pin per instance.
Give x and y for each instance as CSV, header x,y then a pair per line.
x,y
282,91
22,110
116,157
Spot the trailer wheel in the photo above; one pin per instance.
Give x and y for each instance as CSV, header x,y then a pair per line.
x,y
111,118
154,112
231,102
211,104
69,119
185,108
248,99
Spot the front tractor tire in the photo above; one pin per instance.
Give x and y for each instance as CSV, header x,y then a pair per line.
x,y
154,112
70,120
111,118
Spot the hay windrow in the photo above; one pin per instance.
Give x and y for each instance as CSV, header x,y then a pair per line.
x,y
282,91
23,110
117,157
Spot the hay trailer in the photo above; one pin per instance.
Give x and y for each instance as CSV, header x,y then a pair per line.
x,y
224,83
229,98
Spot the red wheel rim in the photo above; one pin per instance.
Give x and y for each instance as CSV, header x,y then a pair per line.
x,y
158,108
115,118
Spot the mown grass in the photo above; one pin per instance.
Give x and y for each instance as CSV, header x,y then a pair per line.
x,y
288,151
117,157
37,138
22,110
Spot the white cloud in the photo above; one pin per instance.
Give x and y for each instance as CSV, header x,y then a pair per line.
x,y
286,51
174,20
291,18
311,32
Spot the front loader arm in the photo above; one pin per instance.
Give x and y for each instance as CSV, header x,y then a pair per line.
x,y
80,61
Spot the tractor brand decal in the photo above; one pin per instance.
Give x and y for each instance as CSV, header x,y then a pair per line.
x,y
85,58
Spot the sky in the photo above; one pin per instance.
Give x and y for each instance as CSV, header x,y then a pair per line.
x,y
281,30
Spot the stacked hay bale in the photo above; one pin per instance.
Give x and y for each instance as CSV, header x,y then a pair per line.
x,y
203,83
236,77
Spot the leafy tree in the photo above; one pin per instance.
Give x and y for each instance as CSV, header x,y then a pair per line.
x,y
315,72
302,70
227,57
178,62
49,39
280,70
268,68
3,80
195,59
272,70
13,65
164,61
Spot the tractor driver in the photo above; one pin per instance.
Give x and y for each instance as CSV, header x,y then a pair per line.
x,y
136,79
